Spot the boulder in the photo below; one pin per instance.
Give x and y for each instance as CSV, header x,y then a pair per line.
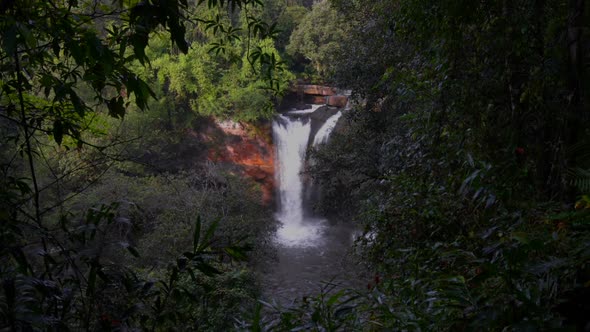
x,y
337,101
318,118
318,90
322,114
314,99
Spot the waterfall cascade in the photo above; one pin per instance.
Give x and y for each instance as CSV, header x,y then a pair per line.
x,y
291,133
310,250
324,132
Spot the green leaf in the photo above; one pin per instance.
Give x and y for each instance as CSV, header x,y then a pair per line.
x,y
78,104
334,298
75,51
209,235
255,326
236,253
173,277
27,35
177,33
58,131
207,269
193,276
116,106
197,233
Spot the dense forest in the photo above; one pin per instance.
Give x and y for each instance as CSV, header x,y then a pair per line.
x,y
463,159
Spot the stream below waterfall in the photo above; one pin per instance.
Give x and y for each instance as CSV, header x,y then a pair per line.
x,y
310,250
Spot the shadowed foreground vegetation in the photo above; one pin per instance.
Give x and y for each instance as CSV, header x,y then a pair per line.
x,y
464,160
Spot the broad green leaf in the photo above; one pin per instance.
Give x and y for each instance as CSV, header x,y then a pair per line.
x,y
58,131
197,233
208,236
207,269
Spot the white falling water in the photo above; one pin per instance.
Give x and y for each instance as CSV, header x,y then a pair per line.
x,y
291,136
324,132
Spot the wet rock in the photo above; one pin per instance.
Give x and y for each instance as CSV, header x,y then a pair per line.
x,y
318,90
337,101
314,99
319,117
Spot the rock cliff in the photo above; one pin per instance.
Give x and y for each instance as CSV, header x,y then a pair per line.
x,y
249,147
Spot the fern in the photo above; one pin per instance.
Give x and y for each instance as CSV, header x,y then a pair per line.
x,y
580,178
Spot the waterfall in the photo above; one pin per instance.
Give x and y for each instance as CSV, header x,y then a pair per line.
x,y
324,132
291,133
309,250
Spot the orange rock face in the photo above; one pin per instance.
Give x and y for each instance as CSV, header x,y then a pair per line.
x,y
318,90
250,148
319,94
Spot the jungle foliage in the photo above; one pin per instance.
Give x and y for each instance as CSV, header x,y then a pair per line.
x,y
318,38
464,161
109,218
